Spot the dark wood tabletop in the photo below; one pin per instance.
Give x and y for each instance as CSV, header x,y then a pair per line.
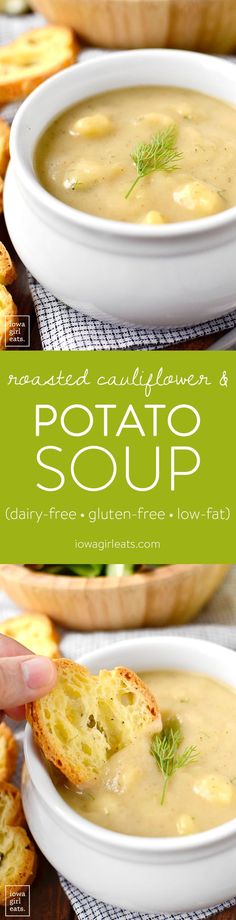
x,y
47,898
22,297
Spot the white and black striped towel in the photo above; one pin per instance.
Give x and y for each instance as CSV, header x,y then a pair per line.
x,y
64,329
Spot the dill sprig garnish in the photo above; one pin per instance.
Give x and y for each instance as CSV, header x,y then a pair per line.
x,y
164,748
160,153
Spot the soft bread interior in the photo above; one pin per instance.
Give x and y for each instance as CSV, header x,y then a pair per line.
x,y
85,718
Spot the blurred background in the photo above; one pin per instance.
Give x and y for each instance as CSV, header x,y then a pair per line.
x,y
199,25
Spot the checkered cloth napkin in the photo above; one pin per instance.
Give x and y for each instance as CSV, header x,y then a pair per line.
x,y
217,623
87,908
64,329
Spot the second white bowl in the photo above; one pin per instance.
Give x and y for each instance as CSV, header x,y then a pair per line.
x,y
149,875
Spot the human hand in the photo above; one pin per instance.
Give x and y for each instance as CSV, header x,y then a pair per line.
x,y
23,677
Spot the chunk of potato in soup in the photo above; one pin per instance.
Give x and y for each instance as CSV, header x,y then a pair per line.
x,y
84,157
127,796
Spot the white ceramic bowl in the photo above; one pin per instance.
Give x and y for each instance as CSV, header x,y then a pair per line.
x,y
137,873
154,275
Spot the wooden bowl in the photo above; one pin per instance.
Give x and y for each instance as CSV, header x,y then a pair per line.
x,y
169,595
199,25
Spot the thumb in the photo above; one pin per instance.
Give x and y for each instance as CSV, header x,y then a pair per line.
x,y
24,678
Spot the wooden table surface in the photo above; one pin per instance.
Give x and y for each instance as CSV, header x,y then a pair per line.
x,y
22,296
47,899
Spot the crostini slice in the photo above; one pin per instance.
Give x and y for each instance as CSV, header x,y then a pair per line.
x,y
87,718
18,862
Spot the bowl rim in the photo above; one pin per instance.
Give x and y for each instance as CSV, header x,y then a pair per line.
x,y
100,836
65,582
105,226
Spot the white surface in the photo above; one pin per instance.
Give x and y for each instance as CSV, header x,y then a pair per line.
x,y
144,874
176,274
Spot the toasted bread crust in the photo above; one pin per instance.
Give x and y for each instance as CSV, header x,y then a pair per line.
x,y
8,312
4,146
8,752
18,851
7,269
36,631
1,194
33,57
77,772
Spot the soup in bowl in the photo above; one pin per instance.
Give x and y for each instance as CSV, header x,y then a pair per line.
x,y
150,155
175,782
159,251
161,865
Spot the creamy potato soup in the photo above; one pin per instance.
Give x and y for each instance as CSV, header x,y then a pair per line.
x,y
128,796
179,145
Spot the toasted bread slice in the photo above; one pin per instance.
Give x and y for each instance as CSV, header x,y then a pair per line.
x,y
4,146
85,719
32,57
1,194
8,312
18,861
7,269
8,752
35,631
11,811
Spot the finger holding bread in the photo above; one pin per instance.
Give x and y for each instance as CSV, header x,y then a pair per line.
x,y
32,58
87,718
18,854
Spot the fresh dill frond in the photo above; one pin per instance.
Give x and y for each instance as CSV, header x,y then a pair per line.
x,y
160,153
164,748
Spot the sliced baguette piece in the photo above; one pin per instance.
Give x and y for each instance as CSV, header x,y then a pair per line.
x,y
35,631
18,858
7,269
11,811
8,752
33,57
85,718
